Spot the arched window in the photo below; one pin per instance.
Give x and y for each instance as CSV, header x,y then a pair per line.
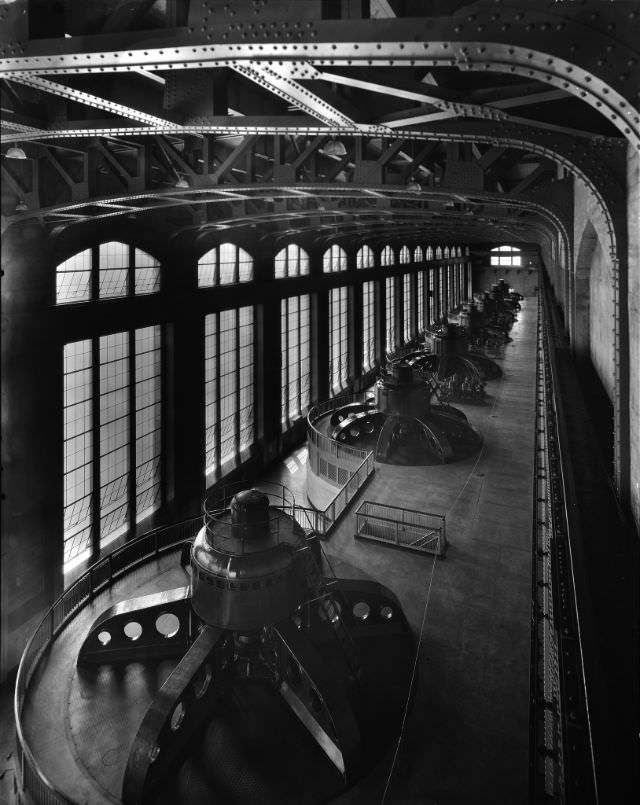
x,y
334,259
429,253
467,251
365,258
446,253
506,256
405,255
418,255
107,271
292,261
459,251
420,307
438,252
386,256
225,264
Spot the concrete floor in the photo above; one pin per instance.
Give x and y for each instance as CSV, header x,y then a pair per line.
x,y
466,738
466,735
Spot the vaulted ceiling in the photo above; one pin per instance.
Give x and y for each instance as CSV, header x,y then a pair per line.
x,y
325,116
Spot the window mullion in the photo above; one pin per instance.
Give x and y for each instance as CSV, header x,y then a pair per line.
x,y
131,480
95,444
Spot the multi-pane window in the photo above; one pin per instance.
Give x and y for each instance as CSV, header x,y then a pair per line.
x,y
418,254
229,388
405,255
334,259
368,326
438,252
225,264
421,318
107,271
407,298
386,256
78,452
429,253
295,345
148,394
506,256
450,288
112,436
390,314
338,339
292,261
442,286
446,253
433,301
365,258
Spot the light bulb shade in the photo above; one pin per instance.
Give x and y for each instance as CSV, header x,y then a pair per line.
x,y
413,186
21,206
183,184
334,148
341,177
15,152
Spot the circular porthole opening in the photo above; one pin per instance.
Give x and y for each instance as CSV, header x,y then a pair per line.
x,y
203,680
133,630
104,638
168,624
361,611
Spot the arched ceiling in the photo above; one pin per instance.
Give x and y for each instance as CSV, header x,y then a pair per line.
x,y
293,117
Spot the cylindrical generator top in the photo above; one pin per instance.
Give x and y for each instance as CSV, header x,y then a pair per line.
x,y
248,564
250,514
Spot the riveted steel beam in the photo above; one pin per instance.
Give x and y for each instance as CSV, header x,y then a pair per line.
x,y
276,79
528,43
86,98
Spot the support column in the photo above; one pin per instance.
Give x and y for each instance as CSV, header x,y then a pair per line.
x,y
32,476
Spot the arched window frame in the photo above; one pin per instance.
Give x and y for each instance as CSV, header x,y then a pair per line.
x,y
429,253
291,261
386,256
506,256
405,255
334,259
109,270
224,264
365,257
418,255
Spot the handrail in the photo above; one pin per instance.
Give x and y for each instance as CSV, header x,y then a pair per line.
x,y
83,590
94,580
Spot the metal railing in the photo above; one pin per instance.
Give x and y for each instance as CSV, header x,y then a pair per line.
x,y
423,532
96,580
81,592
325,455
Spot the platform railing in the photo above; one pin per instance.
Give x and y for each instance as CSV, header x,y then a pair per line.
x,y
335,461
81,592
412,530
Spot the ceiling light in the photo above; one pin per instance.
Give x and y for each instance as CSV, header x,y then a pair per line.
x,y
15,152
334,148
182,183
341,177
413,186
21,206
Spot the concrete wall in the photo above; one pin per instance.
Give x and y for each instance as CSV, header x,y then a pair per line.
x,y
595,278
633,223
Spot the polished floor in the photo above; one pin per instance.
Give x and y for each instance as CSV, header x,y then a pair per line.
x,y
466,734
